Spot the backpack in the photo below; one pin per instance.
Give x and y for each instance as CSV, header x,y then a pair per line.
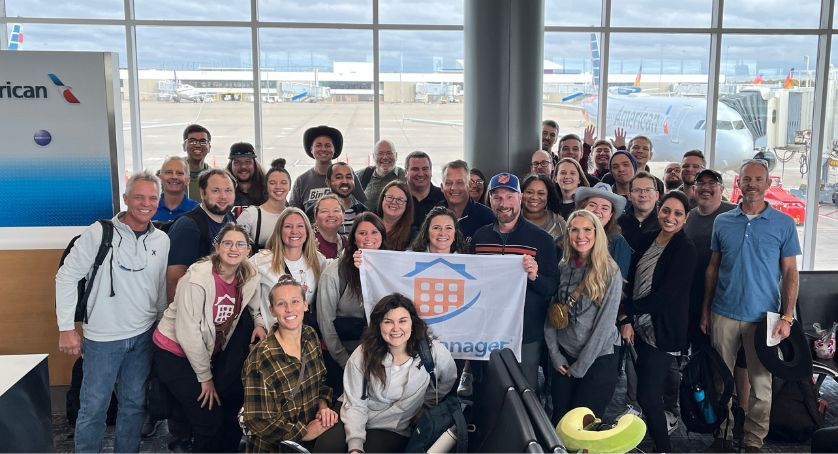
x,y
706,371
73,400
85,285
366,176
794,411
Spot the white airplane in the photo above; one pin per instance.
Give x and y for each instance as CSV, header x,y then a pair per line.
x,y
187,93
16,37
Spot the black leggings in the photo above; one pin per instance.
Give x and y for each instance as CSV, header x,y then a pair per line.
x,y
594,390
378,440
652,369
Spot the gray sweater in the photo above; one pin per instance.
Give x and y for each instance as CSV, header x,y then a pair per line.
x,y
330,304
592,331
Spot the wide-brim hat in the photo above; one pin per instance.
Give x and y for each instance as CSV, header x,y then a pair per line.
x,y
796,363
323,130
601,190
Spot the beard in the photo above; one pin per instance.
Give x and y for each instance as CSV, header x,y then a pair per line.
x,y
673,184
215,209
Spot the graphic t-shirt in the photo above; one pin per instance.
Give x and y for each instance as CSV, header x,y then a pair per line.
x,y
225,308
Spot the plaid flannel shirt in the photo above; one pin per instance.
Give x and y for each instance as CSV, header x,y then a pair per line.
x,y
270,413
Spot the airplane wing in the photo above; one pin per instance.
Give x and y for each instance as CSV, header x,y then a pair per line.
x,y
562,105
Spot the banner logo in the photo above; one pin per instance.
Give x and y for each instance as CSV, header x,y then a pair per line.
x,y
439,294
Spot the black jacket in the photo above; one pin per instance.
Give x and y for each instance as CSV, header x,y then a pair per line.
x,y
668,301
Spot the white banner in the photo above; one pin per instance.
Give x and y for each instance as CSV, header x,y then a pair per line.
x,y
473,303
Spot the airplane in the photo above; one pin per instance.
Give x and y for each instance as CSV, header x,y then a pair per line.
x,y
16,37
185,92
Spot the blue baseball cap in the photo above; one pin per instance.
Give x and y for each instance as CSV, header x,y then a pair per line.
x,y
504,180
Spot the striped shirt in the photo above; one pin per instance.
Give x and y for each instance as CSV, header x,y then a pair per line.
x,y
642,286
271,413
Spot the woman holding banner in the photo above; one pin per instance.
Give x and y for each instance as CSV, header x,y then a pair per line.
x,y
580,332
340,306
386,385
440,233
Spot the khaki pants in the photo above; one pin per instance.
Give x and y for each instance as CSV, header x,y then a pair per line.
x,y
727,335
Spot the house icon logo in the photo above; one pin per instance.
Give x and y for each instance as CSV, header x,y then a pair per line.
x,y
439,290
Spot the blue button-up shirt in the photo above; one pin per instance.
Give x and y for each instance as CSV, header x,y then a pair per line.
x,y
749,274
165,215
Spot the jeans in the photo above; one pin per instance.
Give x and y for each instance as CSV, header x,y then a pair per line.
x,y
125,363
594,390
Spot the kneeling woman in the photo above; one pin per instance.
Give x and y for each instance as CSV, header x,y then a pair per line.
x,y
203,339
582,348
285,392
385,386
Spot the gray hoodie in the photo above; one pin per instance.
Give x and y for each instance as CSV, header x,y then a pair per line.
x,y
592,331
135,268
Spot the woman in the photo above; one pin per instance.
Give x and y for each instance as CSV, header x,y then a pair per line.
x,y
540,205
395,208
328,218
440,233
582,354
656,313
286,397
340,307
385,384
203,339
260,220
290,250
569,177
607,207
477,186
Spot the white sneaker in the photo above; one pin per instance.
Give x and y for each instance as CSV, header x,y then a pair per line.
x,y
630,410
671,422
465,388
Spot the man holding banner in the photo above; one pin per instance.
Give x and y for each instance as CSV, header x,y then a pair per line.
x,y
511,234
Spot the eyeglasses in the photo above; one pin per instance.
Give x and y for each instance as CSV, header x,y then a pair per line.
x,y
228,244
673,170
643,190
478,181
707,183
391,199
197,141
544,163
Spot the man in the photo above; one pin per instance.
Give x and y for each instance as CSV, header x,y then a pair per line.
x,y
128,295
602,155
672,176
174,174
323,144
251,187
512,234
341,183
752,270
196,144
641,148
691,163
549,135
193,234
470,214
641,214
571,147
374,178
542,162
425,194
623,167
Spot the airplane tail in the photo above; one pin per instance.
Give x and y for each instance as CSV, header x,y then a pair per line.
x,y
596,62
789,82
637,77
16,37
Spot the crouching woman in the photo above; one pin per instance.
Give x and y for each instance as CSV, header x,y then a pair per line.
x,y
385,385
285,392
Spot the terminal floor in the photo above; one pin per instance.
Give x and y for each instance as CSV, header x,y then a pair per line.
x,y
681,440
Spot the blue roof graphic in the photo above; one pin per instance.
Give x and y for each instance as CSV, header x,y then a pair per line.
x,y
459,268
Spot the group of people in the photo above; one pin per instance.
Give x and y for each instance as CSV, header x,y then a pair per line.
x,y
247,306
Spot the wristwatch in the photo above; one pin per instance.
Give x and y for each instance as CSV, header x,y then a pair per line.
x,y
787,318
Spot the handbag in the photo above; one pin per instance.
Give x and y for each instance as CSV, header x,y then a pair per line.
x,y
559,313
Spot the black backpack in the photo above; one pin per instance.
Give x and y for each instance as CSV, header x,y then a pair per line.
x,y
705,370
794,411
73,402
85,285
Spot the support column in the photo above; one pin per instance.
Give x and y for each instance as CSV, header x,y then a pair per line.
x,y
504,59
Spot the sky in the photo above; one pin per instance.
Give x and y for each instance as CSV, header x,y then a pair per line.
x,y
191,47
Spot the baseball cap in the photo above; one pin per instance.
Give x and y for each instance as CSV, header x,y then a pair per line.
x,y
504,180
242,150
711,173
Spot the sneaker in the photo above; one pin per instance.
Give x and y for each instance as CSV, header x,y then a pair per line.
x,y
671,422
466,386
631,410
149,427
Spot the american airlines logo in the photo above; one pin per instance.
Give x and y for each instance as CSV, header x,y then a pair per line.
x,y
13,91
66,92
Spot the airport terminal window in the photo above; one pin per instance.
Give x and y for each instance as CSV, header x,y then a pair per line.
x,y
827,222
426,12
417,114
98,9
572,12
168,103
336,11
208,10
657,87
774,14
568,91
661,13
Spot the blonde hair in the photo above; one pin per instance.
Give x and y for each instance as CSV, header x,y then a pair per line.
x,y
595,282
277,248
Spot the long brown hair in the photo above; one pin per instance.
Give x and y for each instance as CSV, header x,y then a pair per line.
x,y
245,270
346,268
399,238
375,348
